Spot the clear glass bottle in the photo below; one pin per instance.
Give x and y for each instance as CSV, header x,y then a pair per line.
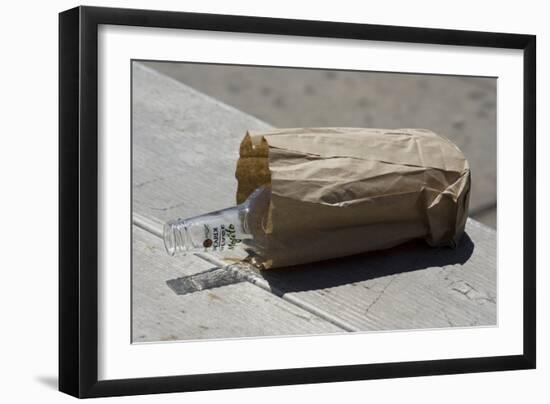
x,y
239,226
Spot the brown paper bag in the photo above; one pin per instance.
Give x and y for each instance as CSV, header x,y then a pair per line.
x,y
343,191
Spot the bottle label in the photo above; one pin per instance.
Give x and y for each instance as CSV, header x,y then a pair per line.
x,y
221,236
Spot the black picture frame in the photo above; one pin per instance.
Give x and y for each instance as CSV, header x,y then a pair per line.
x,y
78,200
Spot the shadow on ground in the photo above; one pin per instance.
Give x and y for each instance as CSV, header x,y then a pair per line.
x,y
362,267
408,257
48,381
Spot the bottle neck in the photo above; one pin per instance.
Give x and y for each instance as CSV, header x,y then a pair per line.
x,y
217,231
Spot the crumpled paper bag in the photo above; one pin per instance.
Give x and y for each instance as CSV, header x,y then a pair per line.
x,y
343,191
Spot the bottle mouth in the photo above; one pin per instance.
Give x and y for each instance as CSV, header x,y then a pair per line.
x,y
169,237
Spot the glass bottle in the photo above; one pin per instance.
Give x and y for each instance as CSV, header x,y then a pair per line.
x,y
223,230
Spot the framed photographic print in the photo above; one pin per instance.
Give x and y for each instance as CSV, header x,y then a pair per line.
x,y
249,201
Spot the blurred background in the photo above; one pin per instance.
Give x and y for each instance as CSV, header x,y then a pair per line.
x,y
462,109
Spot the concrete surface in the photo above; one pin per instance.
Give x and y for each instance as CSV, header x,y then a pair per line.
x,y
460,108
235,310
184,157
